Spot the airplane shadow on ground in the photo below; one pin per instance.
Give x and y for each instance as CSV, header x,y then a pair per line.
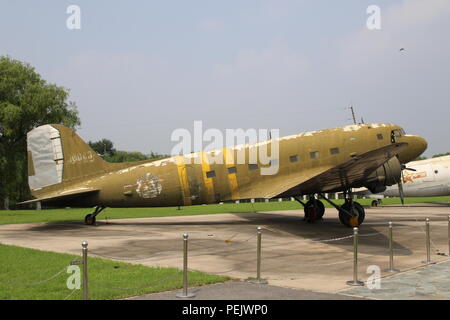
x,y
283,227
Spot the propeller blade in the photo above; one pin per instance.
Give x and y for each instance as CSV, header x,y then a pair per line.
x,y
400,190
403,167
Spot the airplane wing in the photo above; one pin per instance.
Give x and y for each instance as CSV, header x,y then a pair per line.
x,y
62,195
332,179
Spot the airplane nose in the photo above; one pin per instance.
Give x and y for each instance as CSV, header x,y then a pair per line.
x,y
416,146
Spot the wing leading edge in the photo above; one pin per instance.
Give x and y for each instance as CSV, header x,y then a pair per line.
x,y
345,175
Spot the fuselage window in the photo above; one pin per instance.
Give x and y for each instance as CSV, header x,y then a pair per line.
x,y
210,174
334,150
314,154
231,170
293,158
252,166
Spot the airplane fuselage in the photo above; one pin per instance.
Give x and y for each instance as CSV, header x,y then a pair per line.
x,y
431,179
175,181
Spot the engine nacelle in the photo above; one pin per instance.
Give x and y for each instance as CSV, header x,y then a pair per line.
x,y
386,175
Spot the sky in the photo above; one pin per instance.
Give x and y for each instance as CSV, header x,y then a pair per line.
x,y
138,70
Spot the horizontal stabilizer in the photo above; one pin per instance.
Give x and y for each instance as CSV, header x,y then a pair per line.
x,y
62,194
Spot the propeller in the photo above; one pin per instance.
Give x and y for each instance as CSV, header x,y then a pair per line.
x,y
400,183
400,189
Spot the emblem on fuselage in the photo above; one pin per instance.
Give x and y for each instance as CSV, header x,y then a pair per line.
x,y
410,177
148,186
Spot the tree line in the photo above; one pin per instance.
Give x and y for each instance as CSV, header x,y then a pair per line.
x,y
434,156
105,149
26,102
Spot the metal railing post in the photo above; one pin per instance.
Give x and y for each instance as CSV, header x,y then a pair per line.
x,y
355,281
84,251
258,259
428,243
185,293
391,251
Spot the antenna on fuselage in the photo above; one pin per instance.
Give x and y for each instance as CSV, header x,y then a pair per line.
x,y
353,114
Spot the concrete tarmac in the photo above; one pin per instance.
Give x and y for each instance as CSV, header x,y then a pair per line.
x,y
314,257
242,290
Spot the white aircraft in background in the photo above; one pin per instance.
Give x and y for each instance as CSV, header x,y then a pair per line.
x,y
423,178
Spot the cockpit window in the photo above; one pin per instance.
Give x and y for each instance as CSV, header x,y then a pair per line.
x,y
398,133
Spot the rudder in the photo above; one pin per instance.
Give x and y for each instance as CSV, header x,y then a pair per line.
x,y
56,154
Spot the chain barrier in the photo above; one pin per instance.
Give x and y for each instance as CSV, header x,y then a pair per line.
x,y
120,258
14,284
228,243
332,239
372,234
71,294
431,240
438,250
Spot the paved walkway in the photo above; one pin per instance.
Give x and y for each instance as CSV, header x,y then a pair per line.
x,y
295,254
431,283
240,290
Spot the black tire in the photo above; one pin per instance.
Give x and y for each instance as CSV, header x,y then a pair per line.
x,y
89,220
345,218
317,206
375,203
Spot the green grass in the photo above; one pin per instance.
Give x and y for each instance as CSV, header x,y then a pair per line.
x,y
54,215
107,279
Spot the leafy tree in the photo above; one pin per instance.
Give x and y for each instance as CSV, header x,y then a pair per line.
x,y
124,156
103,147
441,154
155,156
26,101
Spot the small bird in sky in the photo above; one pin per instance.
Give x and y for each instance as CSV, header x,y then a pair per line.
x,y
402,49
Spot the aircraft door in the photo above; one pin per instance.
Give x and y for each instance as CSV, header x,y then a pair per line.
x,y
195,181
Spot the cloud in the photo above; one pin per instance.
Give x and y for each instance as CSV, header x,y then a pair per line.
x,y
405,87
211,25
403,25
137,98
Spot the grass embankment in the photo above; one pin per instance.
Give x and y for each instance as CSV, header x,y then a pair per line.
x,y
53,215
22,269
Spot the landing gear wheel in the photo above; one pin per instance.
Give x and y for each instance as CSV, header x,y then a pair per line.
x,y
375,203
314,210
352,221
89,219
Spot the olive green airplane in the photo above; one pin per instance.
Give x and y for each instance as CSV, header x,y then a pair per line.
x,y
64,171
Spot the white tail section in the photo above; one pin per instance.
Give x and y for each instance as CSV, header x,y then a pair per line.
x,y
45,150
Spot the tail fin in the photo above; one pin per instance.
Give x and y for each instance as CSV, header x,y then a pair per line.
x,y
56,154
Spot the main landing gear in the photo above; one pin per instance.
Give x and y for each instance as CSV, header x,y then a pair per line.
x,y
314,209
90,218
351,213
